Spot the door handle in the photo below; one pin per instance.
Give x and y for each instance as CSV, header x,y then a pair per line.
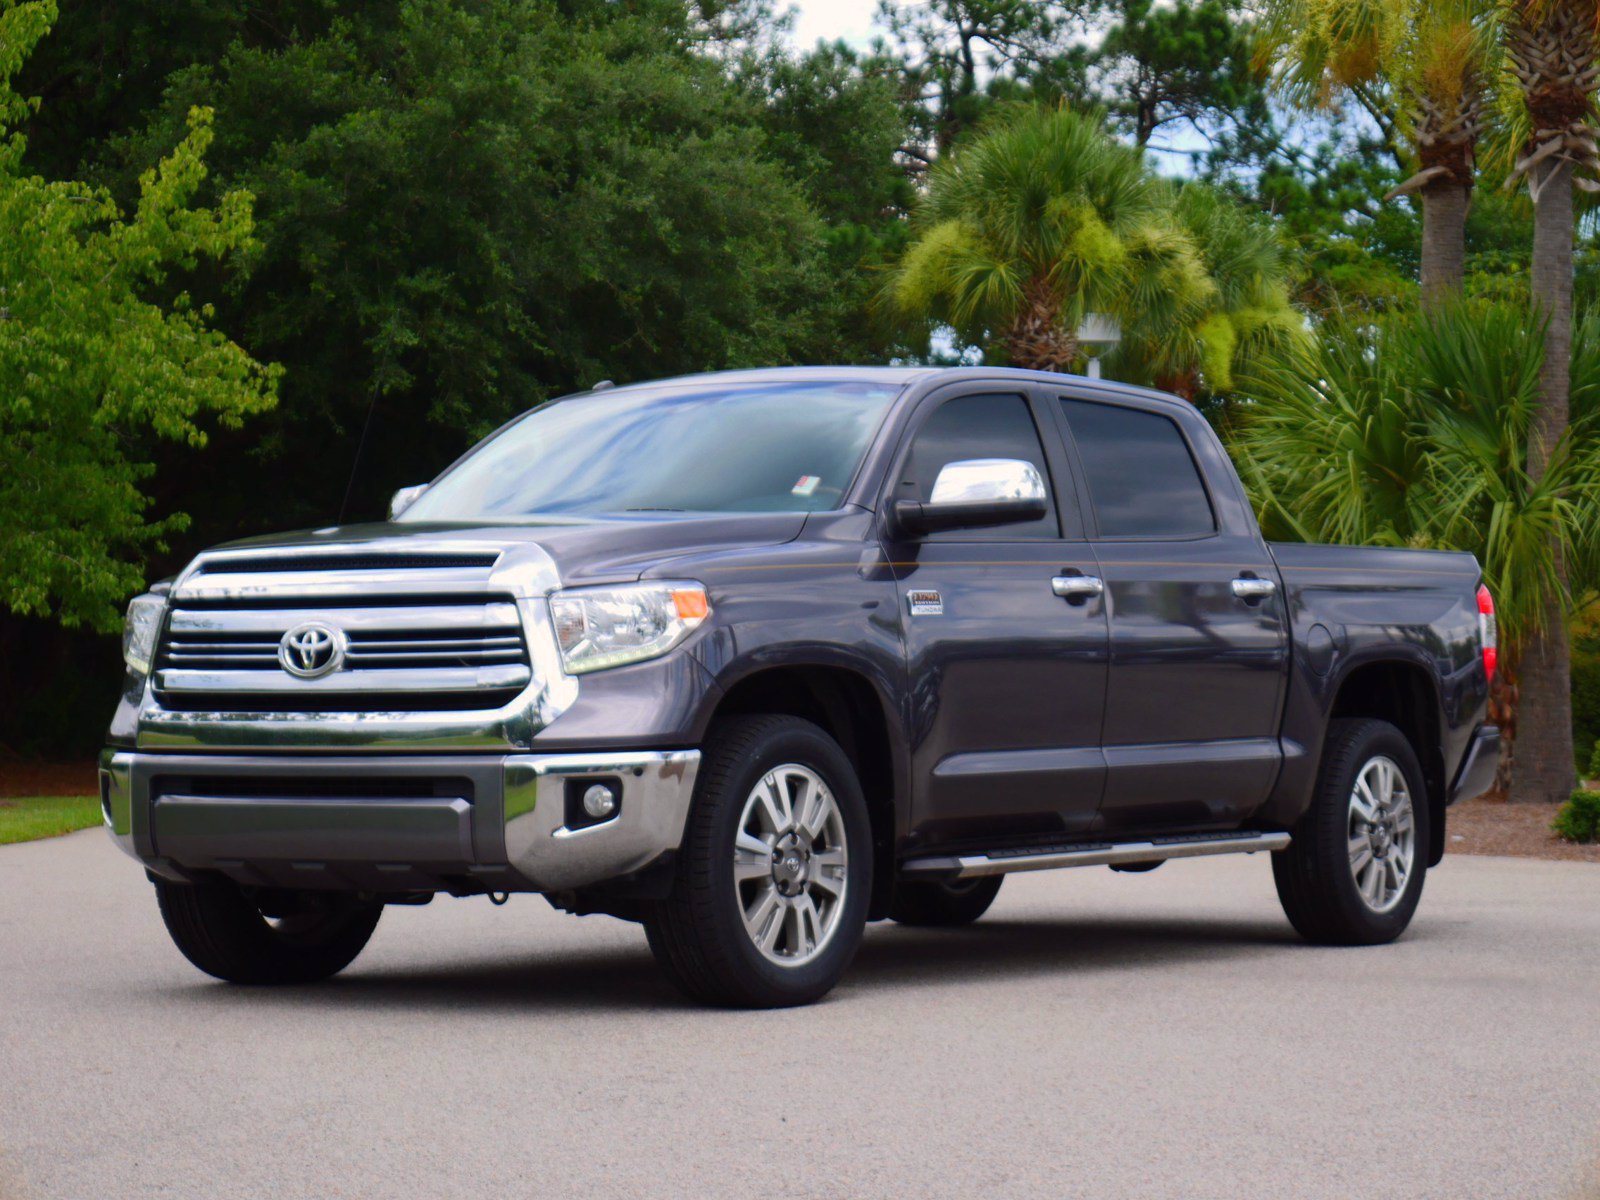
x,y
1077,588
1253,589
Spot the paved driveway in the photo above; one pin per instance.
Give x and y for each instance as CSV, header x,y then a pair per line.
x,y
1096,1035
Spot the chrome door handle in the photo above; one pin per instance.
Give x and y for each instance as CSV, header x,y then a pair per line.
x,y
1077,587
1254,589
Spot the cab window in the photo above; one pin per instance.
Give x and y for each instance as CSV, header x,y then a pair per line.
x,y
978,427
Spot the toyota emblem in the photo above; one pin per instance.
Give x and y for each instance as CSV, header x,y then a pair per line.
x,y
312,650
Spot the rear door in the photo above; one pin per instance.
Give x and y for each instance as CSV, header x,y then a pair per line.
x,y
1007,678
1199,645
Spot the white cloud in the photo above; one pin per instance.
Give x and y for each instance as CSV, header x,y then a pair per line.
x,y
855,21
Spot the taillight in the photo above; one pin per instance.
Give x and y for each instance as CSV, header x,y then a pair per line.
x,y
1488,632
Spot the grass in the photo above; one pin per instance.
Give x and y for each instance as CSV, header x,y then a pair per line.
x,y
26,818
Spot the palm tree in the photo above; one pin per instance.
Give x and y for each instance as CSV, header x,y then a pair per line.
x,y
1415,430
1244,314
1423,70
1551,48
1036,222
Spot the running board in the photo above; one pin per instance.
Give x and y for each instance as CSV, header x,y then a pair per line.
x,y
1090,854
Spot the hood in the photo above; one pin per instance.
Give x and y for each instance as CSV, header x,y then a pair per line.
x,y
585,550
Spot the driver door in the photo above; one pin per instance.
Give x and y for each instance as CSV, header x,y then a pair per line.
x,y
1007,677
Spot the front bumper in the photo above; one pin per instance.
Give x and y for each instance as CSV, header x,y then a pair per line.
x,y
462,823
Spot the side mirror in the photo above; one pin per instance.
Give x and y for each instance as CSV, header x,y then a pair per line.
x,y
976,493
405,498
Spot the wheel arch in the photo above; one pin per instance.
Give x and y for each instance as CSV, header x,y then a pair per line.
x,y
847,705
1406,695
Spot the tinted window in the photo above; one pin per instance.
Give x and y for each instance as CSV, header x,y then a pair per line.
x,y
1142,478
978,427
780,447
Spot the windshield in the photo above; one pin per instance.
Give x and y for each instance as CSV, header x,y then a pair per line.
x,y
775,447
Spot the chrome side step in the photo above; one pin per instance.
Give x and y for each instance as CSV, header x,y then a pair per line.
x,y
1089,854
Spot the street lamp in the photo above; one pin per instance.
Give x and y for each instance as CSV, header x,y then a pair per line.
x,y
1096,335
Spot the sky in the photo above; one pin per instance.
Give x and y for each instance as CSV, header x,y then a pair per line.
x,y
827,20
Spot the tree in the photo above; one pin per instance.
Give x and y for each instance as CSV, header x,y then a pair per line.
x,y
100,352
1038,221
1044,218
1551,46
1191,61
1243,314
466,209
1423,71
1413,430
953,48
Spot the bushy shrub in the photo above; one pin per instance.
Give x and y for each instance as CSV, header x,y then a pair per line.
x,y
1579,818
1586,698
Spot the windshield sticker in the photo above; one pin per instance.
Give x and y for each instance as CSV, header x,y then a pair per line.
x,y
807,485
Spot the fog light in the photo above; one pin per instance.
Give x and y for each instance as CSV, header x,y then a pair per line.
x,y
599,801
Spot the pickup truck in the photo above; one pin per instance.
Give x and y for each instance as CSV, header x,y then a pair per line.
x,y
754,658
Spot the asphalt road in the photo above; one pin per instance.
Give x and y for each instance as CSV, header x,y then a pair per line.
x,y
1096,1035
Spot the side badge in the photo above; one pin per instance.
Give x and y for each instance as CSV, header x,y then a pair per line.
x,y
925,604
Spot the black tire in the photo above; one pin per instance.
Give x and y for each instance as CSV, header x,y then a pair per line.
x,y
220,931
944,904
698,935
1314,875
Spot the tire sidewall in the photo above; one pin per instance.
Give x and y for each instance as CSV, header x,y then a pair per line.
x,y
1373,741
807,747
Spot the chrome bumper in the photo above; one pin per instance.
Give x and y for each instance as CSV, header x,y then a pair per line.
x,y
396,824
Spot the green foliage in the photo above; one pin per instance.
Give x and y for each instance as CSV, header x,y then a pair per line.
x,y
1044,197
1190,60
1243,315
1045,218
949,46
1413,430
1586,693
1579,818
467,208
100,349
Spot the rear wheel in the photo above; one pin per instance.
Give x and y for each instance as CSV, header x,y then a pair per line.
x,y
1353,874
769,904
289,938
944,904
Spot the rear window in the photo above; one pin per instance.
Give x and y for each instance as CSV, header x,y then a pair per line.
x,y
1142,478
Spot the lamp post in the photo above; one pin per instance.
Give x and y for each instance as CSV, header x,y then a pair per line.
x,y
1096,335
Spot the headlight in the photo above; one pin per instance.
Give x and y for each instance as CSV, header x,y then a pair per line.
x,y
606,627
139,632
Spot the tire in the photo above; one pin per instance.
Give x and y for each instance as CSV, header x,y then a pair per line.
x,y
944,904
220,931
1340,880
750,942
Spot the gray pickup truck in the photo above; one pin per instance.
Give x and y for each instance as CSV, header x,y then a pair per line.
x,y
756,658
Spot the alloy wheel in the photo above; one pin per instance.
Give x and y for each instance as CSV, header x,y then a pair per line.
x,y
790,865
1382,833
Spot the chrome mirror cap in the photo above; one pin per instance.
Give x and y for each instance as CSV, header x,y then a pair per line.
x,y
405,498
988,481
974,493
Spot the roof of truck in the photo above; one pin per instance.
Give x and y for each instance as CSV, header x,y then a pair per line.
x,y
892,376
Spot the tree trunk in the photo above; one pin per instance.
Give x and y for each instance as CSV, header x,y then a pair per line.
x,y
1036,340
1545,770
1444,240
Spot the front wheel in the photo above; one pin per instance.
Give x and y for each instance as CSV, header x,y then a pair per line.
x,y
1353,873
288,938
770,900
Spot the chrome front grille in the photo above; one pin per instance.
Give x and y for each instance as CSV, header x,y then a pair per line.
x,y
415,633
